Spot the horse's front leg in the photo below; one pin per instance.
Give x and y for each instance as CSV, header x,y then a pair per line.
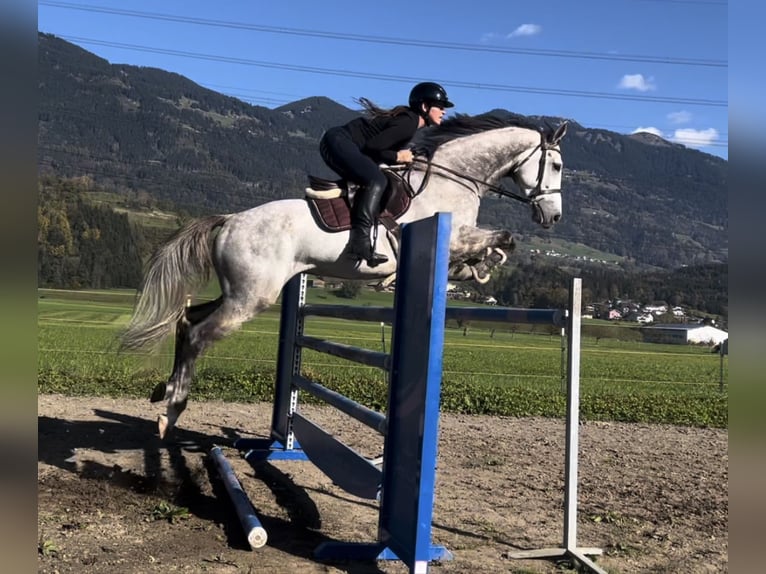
x,y
475,252
472,242
460,272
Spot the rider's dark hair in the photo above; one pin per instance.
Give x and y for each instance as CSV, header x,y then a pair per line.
x,y
373,111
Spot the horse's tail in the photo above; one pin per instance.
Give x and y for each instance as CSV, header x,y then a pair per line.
x,y
178,267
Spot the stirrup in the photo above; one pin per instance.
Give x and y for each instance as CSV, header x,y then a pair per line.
x,y
376,259
361,248
367,254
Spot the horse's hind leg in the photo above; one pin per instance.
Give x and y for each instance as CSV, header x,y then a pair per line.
x,y
201,327
192,315
176,389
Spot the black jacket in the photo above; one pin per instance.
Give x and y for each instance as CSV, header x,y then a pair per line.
x,y
381,137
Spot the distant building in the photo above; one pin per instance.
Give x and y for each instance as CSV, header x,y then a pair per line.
x,y
656,309
682,334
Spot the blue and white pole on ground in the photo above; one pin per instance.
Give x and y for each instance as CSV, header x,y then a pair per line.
x,y
256,534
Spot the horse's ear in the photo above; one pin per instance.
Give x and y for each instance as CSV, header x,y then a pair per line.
x,y
560,133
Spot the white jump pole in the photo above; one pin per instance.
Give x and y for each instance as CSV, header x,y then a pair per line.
x,y
256,534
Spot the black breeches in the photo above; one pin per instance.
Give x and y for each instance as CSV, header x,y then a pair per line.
x,y
342,155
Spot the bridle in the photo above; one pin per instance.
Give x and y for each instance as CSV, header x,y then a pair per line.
x,y
532,199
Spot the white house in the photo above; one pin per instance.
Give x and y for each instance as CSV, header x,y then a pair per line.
x,y
684,333
655,309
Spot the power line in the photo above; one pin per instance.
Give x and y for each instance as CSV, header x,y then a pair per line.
x,y
620,128
700,2
254,100
251,99
404,79
219,86
265,102
392,41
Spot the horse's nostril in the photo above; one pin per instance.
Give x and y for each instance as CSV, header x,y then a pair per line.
x,y
556,218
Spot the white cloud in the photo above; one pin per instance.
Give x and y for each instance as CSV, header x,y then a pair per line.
x,y
682,117
695,138
651,130
488,37
637,82
685,136
526,30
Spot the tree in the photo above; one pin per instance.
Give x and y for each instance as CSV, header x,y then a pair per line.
x,y
349,290
80,244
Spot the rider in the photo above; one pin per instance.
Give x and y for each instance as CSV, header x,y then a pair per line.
x,y
355,150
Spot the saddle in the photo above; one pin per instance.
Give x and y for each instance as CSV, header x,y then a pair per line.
x,y
330,202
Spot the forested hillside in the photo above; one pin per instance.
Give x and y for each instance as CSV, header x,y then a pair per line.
x,y
80,244
191,148
540,284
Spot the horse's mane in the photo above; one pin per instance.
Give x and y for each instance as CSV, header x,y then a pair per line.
x,y
427,140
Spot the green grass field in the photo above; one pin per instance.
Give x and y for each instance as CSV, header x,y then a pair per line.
x,y
492,372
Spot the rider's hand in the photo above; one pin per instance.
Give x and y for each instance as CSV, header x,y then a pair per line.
x,y
404,156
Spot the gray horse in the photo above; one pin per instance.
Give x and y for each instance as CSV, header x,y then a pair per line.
x,y
258,250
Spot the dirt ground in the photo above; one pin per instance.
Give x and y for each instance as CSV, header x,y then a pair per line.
x,y
111,495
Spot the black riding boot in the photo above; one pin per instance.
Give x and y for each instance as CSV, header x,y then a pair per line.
x,y
363,215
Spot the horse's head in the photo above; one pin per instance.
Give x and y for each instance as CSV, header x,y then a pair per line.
x,y
538,175
474,152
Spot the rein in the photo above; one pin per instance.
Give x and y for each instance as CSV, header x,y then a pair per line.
x,y
533,198
491,187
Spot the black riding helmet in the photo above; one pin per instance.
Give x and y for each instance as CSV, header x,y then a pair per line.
x,y
431,94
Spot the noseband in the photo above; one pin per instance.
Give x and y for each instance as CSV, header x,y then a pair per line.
x,y
532,199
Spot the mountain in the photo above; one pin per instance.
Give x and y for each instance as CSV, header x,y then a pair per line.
x,y
145,132
136,128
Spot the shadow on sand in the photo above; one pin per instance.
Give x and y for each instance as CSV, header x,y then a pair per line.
x,y
168,474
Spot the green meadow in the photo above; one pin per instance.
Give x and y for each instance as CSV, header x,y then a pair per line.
x,y
487,369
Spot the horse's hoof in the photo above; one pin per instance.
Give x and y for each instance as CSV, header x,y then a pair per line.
x,y
386,283
481,277
158,394
498,257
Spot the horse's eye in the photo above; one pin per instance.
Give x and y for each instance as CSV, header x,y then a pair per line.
x,y
557,166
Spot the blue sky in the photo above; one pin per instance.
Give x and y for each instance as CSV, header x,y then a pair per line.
x,y
621,65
